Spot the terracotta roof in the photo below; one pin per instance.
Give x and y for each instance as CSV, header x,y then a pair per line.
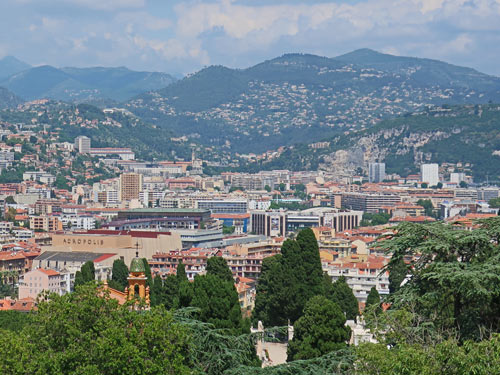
x,y
48,272
103,257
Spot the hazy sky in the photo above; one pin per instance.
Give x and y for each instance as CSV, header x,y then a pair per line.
x,y
183,36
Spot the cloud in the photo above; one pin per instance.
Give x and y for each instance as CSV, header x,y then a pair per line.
x,y
186,35
108,5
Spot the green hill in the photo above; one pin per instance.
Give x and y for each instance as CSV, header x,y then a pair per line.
x,y
465,134
300,96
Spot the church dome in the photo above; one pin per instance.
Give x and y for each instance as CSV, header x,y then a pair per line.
x,y
137,266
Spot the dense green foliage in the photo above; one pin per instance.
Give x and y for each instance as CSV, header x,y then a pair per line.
x,y
86,274
217,301
320,330
13,320
217,266
119,275
84,333
454,281
370,219
343,296
288,281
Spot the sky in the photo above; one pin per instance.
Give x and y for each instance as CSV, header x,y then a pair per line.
x,y
181,37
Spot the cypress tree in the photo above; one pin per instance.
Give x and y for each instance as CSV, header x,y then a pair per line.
x,y
119,275
78,279
373,301
88,271
271,295
148,273
218,302
217,266
342,295
319,331
182,287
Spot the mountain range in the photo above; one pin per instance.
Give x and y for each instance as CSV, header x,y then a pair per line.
x,y
77,84
299,97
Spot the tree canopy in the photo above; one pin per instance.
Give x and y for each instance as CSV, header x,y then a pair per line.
x,y
288,281
319,331
454,275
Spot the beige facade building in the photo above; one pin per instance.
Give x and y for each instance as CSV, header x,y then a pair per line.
x,y
38,280
130,186
123,243
46,223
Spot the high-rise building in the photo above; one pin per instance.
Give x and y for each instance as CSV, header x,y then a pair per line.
x,y
457,177
376,172
429,174
82,144
130,186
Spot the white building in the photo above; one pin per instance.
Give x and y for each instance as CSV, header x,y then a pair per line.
x,y
457,177
82,144
429,174
376,172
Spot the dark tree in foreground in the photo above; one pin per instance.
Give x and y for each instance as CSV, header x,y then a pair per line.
x,y
289,281
319,331
454,281
344,297
119,275
217,266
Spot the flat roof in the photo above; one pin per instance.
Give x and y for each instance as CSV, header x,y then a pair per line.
x,y
74,256
166,210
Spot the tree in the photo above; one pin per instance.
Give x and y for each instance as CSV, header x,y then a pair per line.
x,y
373,302
218,304
397,274
119,275
267,188
271,295
217,266
10,200
424,185
291,283
228,230
343,296
78,279
463,184
319,331
148,273
86,333
427,205
88,271
185,288
494,203
454,276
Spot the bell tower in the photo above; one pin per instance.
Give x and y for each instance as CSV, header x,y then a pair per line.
x,y
137,280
